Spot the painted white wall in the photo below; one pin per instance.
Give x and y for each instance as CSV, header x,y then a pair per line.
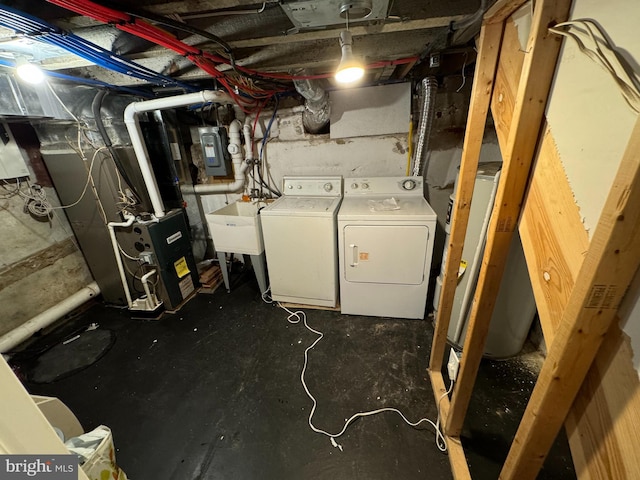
x,y
591,124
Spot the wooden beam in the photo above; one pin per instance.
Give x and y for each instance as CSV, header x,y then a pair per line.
x,y
553,237
501,10
602,425
489,46
356,31
507,79
610,264
457,458
537,74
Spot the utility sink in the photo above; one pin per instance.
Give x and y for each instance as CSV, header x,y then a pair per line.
x,y
236,228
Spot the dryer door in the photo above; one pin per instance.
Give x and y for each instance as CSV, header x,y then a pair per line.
x,y
385,253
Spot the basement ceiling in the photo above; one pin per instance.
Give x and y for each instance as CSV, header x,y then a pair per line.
x,y
395,41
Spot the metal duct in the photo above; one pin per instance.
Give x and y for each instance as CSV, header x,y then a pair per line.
x,y
428,88
316,108
19,99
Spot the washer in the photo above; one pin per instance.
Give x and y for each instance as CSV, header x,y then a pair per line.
x,y
386,232
299,231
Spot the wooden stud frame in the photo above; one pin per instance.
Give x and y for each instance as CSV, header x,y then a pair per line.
x,y
489,46
612,257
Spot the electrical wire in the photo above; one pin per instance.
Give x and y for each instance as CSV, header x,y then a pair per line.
x,y
299,316
11,193
629,86
245,93
464,79
96,108
247,100
86,185
261,160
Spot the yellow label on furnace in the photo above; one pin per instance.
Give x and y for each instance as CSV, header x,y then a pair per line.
x,y
364,256
181,267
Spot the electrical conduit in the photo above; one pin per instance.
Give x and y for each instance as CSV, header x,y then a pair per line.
x,y
18,335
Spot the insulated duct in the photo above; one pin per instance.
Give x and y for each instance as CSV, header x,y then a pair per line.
x,y
428,88
317,110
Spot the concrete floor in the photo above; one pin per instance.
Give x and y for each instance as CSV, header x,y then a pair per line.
x,y
214,392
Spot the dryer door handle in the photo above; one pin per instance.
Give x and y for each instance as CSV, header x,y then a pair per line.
x,y
354,255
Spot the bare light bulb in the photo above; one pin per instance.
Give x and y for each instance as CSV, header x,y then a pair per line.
x,y
29,72
350,69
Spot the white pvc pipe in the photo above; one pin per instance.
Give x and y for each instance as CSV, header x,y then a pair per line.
x,y
23,332
240,164
139,147
116,252
151,300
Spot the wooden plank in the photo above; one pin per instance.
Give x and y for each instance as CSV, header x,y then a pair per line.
x,y
555,242
439,389
611,262
489,46
457,458
506,85
537,74
553,236
502,9
602,425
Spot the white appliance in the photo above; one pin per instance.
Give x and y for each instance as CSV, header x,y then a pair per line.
x,y
386,232
299,231
515,305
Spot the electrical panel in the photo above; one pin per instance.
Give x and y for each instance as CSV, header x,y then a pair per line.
x,y
12,163
214,141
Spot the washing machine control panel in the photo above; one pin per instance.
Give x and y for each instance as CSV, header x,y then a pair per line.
x,y
383,186
312,186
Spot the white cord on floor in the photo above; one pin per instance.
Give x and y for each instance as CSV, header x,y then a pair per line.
x,y
298,316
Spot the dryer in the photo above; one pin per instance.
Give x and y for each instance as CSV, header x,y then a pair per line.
x,y
299,232
386,233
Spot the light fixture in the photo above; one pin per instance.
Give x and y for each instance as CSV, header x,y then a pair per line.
x,y
29,72
350,69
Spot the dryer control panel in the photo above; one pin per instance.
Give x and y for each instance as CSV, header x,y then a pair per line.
x,y
312,186
383,186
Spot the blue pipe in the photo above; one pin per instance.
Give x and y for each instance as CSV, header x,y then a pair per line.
x,y
32,27
86,81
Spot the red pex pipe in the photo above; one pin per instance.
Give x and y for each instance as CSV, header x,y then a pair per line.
x,y
127,23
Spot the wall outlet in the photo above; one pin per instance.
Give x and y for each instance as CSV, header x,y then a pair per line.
x,y
453,364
